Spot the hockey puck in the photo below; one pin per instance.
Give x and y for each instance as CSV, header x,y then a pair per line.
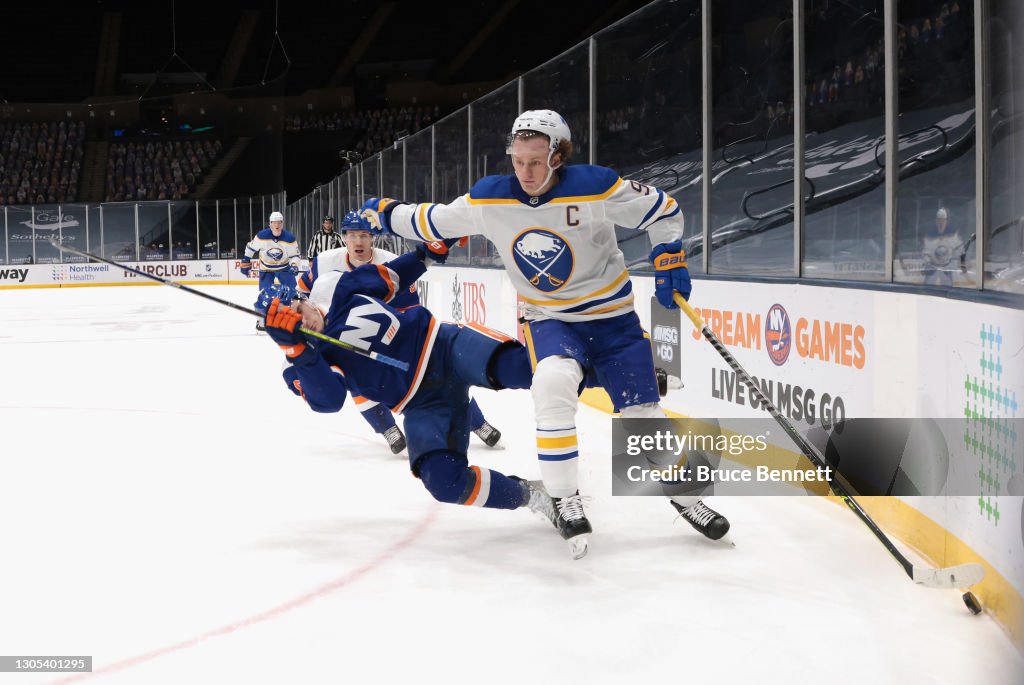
x,y
972,603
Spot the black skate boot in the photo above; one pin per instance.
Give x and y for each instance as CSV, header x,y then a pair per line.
x,y
489,434
704,519
260,326
666,381
572,523
395,438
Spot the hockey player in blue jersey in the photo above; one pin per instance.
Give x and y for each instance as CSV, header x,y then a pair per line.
x,y
554,227
277,253
358,250
444,360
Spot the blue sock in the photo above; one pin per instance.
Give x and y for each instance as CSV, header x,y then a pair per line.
x,y
451,479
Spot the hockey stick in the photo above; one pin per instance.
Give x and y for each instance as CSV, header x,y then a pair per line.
x,y
963,575
376,356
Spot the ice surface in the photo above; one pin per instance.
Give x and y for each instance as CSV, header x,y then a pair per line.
x,y
168,507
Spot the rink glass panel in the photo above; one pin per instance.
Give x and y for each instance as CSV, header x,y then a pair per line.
x,y
936,145
119,231
244,232
391,171
649,113
207,246
392,186
752,144
371,179
185,239
451,166
451,156
563,84
73,230
418,171
844,110
493,115
1004,268
226,229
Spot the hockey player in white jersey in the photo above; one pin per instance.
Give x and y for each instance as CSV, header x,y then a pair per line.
x,y
277,252
554,228
359,250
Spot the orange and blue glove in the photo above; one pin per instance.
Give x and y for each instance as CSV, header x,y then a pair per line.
x,y
670,273
283,323
438,250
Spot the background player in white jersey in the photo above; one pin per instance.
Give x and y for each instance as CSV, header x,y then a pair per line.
x,y
277,252
359,250
554,228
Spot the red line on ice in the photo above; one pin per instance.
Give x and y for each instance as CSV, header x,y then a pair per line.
x,y
268,614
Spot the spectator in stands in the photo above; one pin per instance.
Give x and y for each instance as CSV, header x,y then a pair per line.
x,y
162,169
40,161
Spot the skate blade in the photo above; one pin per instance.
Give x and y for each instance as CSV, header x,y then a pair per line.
x,y
500,445
578,546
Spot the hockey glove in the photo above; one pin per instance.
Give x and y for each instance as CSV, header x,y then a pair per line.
x,y
377,212
283,324
438,249
246,267
671,275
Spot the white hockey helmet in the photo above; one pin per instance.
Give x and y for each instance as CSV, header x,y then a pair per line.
x,y
546,121
276,216
942,213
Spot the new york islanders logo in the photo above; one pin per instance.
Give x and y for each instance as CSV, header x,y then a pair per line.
x,y
778,337
544,258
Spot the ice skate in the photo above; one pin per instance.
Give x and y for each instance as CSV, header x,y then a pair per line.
x,y
539,500
490,435
260,326
666,381
395,438
704,519
572,523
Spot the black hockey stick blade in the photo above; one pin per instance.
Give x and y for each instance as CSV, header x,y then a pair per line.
x,y
375,356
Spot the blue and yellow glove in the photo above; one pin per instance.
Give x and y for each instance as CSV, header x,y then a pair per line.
x,y
377,212
245,267
671,275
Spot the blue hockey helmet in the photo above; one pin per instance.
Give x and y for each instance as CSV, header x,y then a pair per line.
x,y
353,221
286,293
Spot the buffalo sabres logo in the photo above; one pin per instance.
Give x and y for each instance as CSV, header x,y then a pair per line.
x,y
275,253
544,257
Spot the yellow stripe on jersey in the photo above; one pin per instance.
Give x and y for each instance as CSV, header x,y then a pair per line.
x,y
589,198
554,303
557,200
492,201
425,224
529,346
612,308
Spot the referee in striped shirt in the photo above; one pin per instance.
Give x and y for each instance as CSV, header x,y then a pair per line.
x,y
324,239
